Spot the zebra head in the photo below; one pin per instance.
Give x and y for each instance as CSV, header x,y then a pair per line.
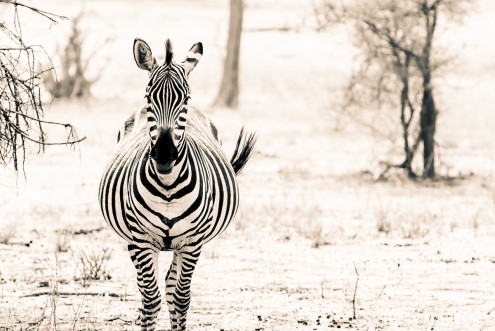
x,y
167,94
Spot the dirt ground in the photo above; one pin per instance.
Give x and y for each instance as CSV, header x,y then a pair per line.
x,y
319,243
283,273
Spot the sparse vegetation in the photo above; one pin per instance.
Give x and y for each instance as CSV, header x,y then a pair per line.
x,y
405,223
423,249
288,219
92,265
64,238
7,233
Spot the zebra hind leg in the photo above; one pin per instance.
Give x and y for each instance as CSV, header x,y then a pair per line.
x,y
145,260
178,285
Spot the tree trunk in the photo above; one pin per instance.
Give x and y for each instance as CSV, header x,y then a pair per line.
x,y
404,98
407,164
228,95
428,123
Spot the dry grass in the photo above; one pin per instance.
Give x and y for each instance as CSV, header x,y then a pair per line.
x,y
63,241
284,218
92,265
8,232
405,222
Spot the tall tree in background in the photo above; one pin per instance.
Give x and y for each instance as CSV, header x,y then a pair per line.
x,y
21,108
399,63
228,95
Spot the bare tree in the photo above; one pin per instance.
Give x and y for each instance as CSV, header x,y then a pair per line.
x,y
228,95
72,78
21,108
398,63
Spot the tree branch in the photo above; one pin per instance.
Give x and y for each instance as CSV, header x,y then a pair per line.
x,y
21,108
391,40
50,16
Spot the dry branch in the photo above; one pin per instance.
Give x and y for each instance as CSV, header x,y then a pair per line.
x,y
50,16
21,108
62,293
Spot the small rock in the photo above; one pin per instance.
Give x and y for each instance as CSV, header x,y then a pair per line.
x,y
44,283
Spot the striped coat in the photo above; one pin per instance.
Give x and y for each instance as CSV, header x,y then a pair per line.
x,y
168,185
135,201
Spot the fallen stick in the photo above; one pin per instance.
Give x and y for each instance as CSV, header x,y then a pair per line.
x,y
113,295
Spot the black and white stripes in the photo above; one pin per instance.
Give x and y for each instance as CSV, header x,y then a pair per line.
x,y
168,185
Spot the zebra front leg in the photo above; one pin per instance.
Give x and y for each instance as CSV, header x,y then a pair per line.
x,y
170,283
178,284
145,260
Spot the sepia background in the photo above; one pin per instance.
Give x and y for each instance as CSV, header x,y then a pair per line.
x,y
327,235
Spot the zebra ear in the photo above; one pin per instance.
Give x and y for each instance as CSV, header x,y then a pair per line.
x,y
142,55
193,57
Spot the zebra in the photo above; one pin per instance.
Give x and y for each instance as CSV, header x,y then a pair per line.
x,y
168,185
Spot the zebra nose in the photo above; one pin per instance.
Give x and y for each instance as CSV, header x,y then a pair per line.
x,y
163,150
174,154
165,155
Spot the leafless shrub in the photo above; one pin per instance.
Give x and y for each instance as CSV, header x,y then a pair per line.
x,y
21,108
93,265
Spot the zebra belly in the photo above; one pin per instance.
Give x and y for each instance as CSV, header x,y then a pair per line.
x,y
196,217
167,224
113,191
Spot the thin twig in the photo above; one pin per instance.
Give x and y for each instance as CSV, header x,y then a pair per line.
x,y
52,17
118,318
355,292
38,119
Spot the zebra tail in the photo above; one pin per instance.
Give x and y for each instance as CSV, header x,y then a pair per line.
x,y
243,150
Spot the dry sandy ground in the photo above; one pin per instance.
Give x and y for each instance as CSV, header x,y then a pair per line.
x,y
276,275
317,239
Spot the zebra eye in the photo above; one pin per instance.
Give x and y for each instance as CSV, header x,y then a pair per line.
x,y
182,112
187,100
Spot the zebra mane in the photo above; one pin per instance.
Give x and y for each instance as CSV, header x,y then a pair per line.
x,y
169,54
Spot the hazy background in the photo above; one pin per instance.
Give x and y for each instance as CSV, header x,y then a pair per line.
x,y
312,213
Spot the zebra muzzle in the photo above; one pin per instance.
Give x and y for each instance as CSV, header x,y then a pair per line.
x,y
164,152
164,168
